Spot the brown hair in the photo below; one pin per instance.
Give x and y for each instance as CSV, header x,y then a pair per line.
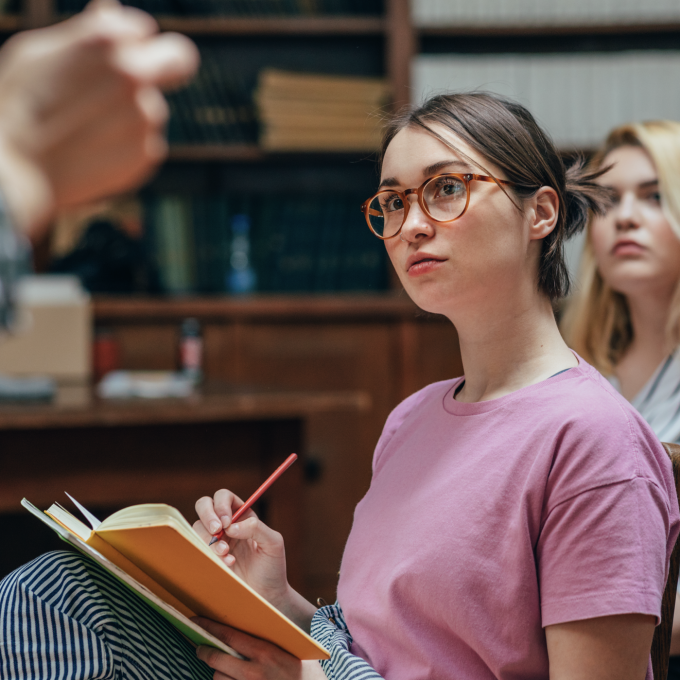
x,y
506,134
597,321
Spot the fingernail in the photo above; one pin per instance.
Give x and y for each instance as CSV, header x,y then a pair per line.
x,y
230,560
221,547
226,521
233,530
215,526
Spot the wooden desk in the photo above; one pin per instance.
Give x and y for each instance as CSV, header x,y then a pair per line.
x,y
109,454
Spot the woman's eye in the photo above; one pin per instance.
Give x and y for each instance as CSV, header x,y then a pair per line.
x,y
392,203
655,197
449,188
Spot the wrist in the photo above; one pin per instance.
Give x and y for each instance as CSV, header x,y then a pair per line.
x,y
295,607
26,191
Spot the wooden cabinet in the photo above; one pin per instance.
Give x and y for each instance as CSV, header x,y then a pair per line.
x,y
380,345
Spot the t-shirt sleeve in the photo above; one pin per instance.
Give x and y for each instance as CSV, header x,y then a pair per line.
x,y
603,552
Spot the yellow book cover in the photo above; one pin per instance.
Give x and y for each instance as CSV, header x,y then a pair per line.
x,y
158,548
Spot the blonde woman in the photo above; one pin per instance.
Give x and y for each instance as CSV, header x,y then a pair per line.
x,y
625,316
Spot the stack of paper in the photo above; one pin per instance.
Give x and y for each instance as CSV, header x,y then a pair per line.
x,y
301,112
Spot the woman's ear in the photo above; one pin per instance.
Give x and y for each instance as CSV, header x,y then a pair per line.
x,y
544,210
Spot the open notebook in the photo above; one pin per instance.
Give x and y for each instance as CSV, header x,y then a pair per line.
x,y
155,552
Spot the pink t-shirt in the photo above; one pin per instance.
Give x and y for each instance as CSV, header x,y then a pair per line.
x,y
486,522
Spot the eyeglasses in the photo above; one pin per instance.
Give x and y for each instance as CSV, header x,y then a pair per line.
x,y
443,198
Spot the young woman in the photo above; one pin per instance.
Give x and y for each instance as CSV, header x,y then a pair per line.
x,y
520,518
625,317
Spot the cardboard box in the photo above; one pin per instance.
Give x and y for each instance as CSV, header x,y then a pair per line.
x,y
53,336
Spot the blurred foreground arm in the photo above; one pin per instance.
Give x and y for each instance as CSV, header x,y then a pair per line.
x,y
81,110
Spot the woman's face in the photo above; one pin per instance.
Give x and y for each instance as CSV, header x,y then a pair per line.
x,y
635,248
448,267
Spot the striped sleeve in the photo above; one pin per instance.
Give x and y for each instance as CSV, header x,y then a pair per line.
x,y
330,630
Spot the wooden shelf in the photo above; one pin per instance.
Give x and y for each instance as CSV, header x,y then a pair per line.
x,y
215,152
284,25
395,306
216,405
251,153
546,30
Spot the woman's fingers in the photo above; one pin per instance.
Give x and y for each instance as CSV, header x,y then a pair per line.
x,y
253,529
205,509
251,647
215,513
221,548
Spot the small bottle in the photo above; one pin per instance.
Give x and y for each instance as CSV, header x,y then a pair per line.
x,y
241,278
191,350
105,353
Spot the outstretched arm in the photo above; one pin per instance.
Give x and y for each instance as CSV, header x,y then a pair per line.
x,y
81,110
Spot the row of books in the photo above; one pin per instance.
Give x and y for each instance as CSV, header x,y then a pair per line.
x,y
577,97
538,12
243,8
297,244
216,107
302,112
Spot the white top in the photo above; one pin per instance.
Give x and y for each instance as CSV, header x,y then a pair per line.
x,y
658,402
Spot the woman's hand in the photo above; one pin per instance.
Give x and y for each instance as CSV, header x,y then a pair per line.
x,y
254,551
264,661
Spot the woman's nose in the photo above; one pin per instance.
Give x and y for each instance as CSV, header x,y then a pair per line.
x,y
627,214
417,224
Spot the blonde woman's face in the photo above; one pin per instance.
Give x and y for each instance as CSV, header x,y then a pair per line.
x,y
635,248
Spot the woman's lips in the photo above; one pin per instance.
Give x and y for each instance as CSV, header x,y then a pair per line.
x,y
424,266
627,248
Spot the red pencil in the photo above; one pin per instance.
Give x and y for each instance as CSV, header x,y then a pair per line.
x,y
249,503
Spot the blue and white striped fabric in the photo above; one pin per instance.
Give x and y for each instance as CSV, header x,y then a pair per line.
x,y
330,629
63,617
658,402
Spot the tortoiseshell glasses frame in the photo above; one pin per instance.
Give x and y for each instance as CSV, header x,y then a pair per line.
x,y
449,202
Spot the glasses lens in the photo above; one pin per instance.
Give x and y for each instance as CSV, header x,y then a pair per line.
x,y
445,197
386,213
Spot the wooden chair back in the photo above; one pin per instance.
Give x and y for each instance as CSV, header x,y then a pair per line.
x,y
661,645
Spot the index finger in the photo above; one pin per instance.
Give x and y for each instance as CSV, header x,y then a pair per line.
x,y
167,60
215,513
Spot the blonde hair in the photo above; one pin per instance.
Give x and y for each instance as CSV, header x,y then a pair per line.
x,y
597,322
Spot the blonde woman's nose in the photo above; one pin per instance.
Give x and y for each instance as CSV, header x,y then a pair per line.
x,y
627,213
